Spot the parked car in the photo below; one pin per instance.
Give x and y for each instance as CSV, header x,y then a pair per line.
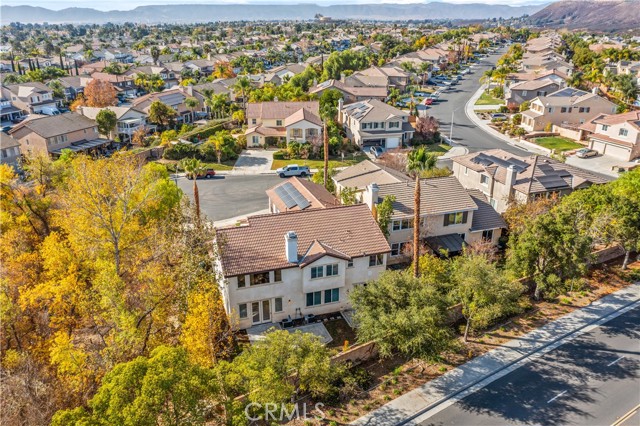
x,y
207,174
293,170
376,151
586,153
5,129
499,116
428,101
19,119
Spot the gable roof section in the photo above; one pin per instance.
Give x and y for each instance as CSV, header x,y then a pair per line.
x,y
260,246
279,110
485,217
437,196
372,109
316,196
54,125
366,172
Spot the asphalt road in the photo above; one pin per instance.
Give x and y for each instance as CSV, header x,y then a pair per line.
x,y
224,197
592,380
454,100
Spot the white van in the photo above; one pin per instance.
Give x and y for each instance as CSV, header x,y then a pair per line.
x,y
49,111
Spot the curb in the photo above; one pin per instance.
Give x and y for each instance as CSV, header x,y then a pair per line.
x,y
540,351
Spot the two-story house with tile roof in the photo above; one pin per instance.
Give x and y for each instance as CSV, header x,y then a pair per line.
x,y
32,97
505,178
299,194
374,123
565,107
359,176
52,134
291,121
616,135
129,120
304,262
451,216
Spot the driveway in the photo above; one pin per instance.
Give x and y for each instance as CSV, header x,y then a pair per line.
x,y
253,162
600,164
229,196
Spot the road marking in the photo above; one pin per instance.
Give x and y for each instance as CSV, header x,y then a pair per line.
x,y
557,396
627,416
613,362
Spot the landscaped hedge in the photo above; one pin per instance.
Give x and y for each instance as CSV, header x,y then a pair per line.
x,y
280,155
203,133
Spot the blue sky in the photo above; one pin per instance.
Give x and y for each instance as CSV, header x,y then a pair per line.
x,y
131,4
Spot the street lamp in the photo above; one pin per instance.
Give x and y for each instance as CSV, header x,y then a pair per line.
x,y
451,128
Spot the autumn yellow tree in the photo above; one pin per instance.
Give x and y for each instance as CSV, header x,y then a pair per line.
x,y
100,94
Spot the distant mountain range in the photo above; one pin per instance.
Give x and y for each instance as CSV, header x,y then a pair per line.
x,y
185,13
597,15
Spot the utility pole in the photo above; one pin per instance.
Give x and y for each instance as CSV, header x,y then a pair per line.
x,y
326,155
416,228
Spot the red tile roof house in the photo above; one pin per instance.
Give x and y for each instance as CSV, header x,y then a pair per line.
x,y
297,263
292,121
299,194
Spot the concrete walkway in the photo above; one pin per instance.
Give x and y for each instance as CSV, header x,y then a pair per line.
x,y
417,405
253,162
484,126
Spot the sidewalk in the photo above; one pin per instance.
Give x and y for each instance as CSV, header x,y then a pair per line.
x,y
482,125
479,372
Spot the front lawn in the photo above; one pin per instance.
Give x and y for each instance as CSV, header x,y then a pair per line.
x,y
171,165
437,148
558,143
487,99
349,160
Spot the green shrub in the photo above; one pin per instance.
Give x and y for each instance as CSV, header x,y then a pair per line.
x,y
180,151
280,155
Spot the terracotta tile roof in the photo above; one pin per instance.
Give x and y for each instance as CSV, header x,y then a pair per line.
x,y
260,246
302,114
279,110
53,125
316,195
632,117
437,196
319,250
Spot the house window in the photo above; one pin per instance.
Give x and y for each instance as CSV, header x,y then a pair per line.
x,y
493,203
255,140
623,132
350,264
375,125
397,249
317,272
241,281
296,133
484,180
605,127
587,109
401,224
487,235
375,260
455,218
332,270
563,109
278,123
277,275
524,93
550,110
332,295
466,171
394,124
314,298
242,310
261,278
254,121
277,305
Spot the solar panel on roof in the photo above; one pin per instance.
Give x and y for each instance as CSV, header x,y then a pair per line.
x,y
553,181
291,197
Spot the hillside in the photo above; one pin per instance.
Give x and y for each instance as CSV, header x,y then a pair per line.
x,y
235,12
596,15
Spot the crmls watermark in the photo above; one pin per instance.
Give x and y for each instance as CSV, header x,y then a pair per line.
x,y
272,411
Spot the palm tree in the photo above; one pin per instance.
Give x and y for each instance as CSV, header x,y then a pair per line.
x,y
420,159
243,85
191,103
194,167
416,228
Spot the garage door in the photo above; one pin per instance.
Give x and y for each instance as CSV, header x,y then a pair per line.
x,y
373,142
618,152
598,146
393,143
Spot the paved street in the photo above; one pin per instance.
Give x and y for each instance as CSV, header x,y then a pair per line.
x,y
228,196
454,100
592,380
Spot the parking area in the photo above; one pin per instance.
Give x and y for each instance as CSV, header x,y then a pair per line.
x,y
600,164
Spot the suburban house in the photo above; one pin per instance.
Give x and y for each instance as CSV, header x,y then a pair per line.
x,y
373,122
170,77
451,216
351,94
129,121
526,91
8,112
123,84
31,97
202,66
503,177
565,107
74,86
554,75
52,134
361,175
9,151
299,194
615,135
394,76
174,98
299,263
291,121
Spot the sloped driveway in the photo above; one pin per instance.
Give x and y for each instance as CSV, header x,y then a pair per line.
x,y
253,162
